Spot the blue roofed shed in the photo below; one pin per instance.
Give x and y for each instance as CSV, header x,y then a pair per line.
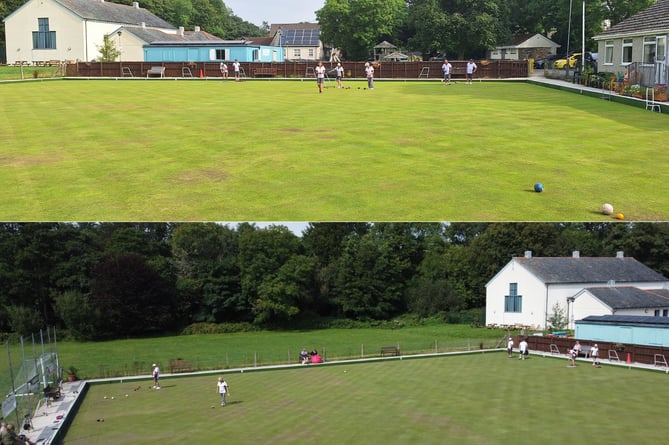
x,y
626,329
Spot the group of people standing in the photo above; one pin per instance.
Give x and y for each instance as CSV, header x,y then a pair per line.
x,y
321,72
447,68
573,352
236,67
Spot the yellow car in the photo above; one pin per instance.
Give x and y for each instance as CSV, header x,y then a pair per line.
x,y
573,60
560,63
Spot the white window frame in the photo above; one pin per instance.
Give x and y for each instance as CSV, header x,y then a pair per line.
x,y
627,44
649,50
661,48
297,53
608,52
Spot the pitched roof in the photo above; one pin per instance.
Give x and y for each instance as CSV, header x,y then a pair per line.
x,y
284,26
564,270
155,36
630,297
654,18
104,11
626,320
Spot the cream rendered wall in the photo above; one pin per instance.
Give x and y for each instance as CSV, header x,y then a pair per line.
x,y
20,26
532,290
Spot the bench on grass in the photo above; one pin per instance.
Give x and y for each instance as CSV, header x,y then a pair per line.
x,y
264,72
180,365
156,71
390,351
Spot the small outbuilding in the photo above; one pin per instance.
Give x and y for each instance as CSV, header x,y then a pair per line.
x,y
625,329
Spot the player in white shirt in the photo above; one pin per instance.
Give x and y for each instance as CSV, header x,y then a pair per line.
x,y
339,70
446,68
369,72
320,76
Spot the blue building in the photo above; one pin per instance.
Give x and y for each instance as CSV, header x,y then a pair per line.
x,y
626,329
212,51
152,45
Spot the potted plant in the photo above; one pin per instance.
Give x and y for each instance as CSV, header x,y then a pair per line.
x,y
635,91
72,374
660,93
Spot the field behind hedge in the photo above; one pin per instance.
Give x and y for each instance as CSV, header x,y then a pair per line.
x,y
192,150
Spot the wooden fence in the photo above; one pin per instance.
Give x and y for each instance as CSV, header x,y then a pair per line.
x,y
637,353
487,69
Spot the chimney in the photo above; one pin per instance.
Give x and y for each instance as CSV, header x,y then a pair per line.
x,y
576,254
196,29
620,254
528,254
180,32
135,5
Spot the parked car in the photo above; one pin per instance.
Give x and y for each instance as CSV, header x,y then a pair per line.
x,y
545,62
572,60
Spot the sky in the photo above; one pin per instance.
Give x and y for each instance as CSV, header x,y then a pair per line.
x,y
297,227
275,11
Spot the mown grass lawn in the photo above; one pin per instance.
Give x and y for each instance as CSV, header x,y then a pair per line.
x,y
474,399
170,150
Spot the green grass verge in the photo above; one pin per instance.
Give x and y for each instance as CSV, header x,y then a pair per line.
x,y
473,399
27,72
279,151
219,351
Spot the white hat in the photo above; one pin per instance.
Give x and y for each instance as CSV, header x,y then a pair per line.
x,y
154,365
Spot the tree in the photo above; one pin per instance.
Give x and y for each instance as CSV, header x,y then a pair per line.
x,y
459,27
205,257
262,254
557,320
130,297
356,26
108,50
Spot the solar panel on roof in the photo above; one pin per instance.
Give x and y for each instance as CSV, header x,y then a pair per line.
x,y
300,37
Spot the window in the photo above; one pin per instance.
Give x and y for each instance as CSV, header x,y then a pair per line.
x,y
311,53
256,54
513,302
608,52
627,50
657,312
297,53
648,50
665,312
661,48
43,38
221,54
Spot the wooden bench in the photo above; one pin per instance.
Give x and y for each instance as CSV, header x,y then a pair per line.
x,y
180,365
157,71
390,351
264,72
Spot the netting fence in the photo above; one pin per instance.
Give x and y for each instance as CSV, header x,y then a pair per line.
x,y
31,366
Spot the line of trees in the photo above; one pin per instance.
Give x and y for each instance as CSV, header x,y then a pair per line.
x,y
463,28
118,280
458,28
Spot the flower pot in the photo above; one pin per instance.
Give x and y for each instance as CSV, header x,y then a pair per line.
x,y
71,377
661,97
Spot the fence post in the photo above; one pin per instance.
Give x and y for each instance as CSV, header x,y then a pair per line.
x,y
255,359
362,351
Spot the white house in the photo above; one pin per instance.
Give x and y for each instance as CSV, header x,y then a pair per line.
x,y
642,39
73,30
524,47
620,300
300,41
525,291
